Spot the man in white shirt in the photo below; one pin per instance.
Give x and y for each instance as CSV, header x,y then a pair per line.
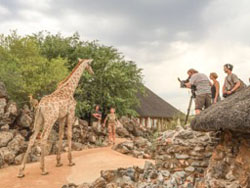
x,y
203,89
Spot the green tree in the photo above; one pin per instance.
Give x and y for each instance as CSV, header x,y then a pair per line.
x,y
115,83
25,71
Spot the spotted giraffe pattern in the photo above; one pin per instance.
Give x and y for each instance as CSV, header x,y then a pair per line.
x,y
60,105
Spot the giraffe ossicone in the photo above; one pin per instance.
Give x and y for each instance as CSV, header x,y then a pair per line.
x,y
58,106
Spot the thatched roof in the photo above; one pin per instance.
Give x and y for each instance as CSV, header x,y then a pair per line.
x,y
151,105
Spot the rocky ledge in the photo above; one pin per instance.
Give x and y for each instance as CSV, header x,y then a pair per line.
x,y
233,114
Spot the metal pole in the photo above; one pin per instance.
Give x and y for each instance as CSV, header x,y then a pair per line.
x,y
189,107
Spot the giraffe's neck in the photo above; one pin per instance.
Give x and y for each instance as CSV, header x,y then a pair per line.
x,y
68,87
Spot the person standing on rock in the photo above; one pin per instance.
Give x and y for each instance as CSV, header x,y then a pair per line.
x,y
202,89
96,117
232,83
215,88
112,123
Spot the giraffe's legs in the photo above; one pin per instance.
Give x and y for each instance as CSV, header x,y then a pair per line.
x,y
31,143
37,125
61,134
47,129
70,121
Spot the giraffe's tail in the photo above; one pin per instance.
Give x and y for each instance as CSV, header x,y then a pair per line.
x,y
37,120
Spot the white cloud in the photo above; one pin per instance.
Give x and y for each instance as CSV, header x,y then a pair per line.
x,y
4,11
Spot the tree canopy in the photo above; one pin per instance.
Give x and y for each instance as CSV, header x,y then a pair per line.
x,y
25,71
34,64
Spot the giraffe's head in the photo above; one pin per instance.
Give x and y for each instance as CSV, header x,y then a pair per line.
x,y
88,64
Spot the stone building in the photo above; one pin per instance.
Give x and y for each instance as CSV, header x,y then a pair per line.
x,y
153,111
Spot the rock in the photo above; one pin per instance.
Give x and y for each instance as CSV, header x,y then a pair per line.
x,y
77,146
199,164
11,112
7,155
229,114
179,177
125,147
70,185
181,156
190,169
92,139
165,173
125,181
5,127
108,175
18,159
15,145
84,185
5,138
25,121
148,165
141,142
99,183
24,133
128,144
134,128
121,131
111,185
83,123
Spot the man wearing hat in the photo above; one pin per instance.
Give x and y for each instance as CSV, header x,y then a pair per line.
x,y
232,83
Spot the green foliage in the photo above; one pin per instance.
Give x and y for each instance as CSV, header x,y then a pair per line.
x,y
171,125
115,82
35,64
25,71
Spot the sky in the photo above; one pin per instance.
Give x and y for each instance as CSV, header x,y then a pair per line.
x,y
164,37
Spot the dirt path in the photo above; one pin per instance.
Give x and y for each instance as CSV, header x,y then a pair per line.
x,y
89,163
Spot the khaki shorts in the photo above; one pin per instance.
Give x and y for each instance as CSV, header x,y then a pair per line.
x,y
111,128
203,100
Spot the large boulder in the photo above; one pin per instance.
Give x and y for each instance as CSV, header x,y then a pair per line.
x,y
5,138
25,119
122,132
16,144
233,114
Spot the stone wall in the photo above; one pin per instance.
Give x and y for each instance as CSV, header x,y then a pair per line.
x,y
229,165
187,152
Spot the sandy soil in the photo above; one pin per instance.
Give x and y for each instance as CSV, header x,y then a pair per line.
x,y
89,163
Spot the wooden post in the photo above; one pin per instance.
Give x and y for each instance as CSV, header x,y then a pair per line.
x,y
158,124
162,124
149,122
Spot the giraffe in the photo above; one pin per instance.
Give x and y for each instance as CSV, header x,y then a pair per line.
x,y
60,105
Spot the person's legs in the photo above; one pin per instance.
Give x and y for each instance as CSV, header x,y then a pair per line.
x,y
113,133
199,103
110,133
